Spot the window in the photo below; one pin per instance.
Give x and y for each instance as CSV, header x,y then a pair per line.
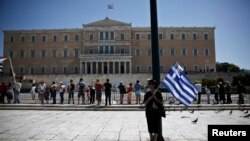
x,y
112,35
53,69
11,39
205,36
65,53
33,38
194,36
149,52
195,52
172,52
101,35
185,67
32,70
161,52
77,37
21,70
160,36
106,49
32,53
137,68
43,53
65,38
22,39
149,36
122,36
112,49
184,52
122,51
76,69
21,54
54,53
43,70
76,52
172,36
206,52
101,50
64,69
54,38
150,69
137,52
196,68
11,54
91,51
137,36
106,35
207,68
91,37
183,36
44,38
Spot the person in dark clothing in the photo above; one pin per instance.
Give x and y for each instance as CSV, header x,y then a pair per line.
x,y
107,87
71,91
53,91
153,100
241,90
3,89
228,92
92,94
122,89
222,93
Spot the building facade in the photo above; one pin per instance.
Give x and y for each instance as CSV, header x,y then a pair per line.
x,y
108,47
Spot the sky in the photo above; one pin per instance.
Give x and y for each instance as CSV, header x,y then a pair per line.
x,y
231,19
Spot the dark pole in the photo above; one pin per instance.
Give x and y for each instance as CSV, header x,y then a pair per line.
x,y
154,42
155,51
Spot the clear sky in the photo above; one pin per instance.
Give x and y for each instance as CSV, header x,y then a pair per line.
x,y
231,18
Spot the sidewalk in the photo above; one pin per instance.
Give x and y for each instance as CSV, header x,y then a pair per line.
x,y
36,125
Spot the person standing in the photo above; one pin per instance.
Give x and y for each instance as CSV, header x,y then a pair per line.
x,y
198,88
130,90
122,89
228,92
153,101
41,91
61,92
98,90
222,93
241,90
53,91
81,87
208,92
107,87
71,91
17,89
33,92
137,89
3,89
92,94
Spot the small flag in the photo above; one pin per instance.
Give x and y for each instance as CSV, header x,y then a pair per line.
x,y
179,85
110,6
1,63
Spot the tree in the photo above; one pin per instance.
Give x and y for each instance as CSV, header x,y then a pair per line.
x,y
227,67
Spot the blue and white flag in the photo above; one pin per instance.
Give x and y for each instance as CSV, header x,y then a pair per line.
x,y
179,85
1,63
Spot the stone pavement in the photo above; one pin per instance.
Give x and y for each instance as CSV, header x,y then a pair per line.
x,y
37,125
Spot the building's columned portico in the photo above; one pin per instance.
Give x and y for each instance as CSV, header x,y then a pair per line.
x,y
105,64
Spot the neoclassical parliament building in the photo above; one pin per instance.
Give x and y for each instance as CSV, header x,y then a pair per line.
x,y
107,47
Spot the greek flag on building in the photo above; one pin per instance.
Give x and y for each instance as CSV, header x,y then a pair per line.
x,y
179,85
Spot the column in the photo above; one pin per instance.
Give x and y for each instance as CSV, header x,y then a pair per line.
x,y
91,67
102,66
86,68
80,68
96,68
125,67
113,67
108,67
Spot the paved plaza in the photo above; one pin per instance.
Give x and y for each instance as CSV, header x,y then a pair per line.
x,y
36,125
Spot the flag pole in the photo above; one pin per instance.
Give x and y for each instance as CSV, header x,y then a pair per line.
x,y
12,71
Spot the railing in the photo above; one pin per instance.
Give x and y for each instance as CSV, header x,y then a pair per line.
x,y
115,96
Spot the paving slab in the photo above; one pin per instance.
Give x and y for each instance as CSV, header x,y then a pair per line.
x,y
35,125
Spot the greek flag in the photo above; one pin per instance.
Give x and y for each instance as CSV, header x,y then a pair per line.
x,y
179,85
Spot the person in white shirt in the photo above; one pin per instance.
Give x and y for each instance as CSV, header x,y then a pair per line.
x,y
61,91
33,92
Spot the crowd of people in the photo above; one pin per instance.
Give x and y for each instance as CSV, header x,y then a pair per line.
x,y
43,93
